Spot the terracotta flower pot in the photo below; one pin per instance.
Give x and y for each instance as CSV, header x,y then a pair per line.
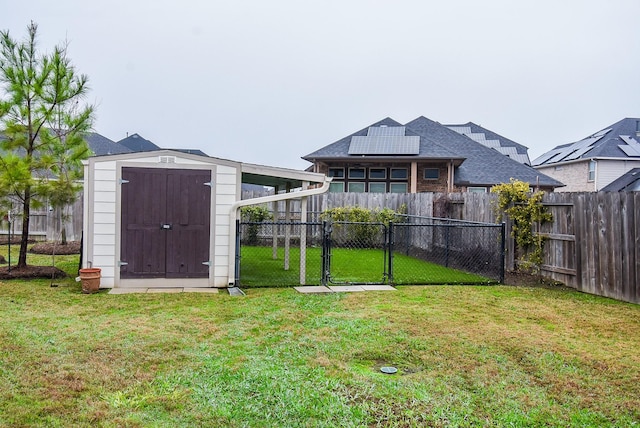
x,y
90,278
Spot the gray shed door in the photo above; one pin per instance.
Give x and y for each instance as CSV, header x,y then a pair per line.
x,y
165,223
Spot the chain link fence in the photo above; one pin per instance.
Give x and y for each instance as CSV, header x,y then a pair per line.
x,y
411,250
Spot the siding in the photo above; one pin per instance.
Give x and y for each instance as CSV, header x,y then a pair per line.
x,y
609,170
226,195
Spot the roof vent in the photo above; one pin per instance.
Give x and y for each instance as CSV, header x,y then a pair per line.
x,y
167,159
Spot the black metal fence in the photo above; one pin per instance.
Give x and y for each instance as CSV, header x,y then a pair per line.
x,y
412,250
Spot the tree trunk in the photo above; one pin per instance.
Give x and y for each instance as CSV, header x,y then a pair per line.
x,y
24,239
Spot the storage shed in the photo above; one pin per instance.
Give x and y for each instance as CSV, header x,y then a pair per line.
x,y
167,218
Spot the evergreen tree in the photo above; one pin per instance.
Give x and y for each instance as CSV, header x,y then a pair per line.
x,y
43,118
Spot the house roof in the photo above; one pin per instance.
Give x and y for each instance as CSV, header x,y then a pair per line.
x,y
620,140
136,143
488,138
628,182
101,145
381,146
476,164
483,166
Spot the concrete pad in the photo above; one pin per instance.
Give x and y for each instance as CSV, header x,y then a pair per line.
x,y
309,289
165,290
345,288
127,290
378,288
201,290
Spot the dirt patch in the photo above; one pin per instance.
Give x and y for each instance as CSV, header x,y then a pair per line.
x,y
71,247
30,272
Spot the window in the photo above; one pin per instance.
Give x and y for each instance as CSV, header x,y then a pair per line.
x,y
592,171
377,187
336,187
356,173
356,187
377,173
399,173
398,187
431,173
477,189
336,172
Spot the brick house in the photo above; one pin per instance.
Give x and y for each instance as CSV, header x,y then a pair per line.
x,y
423,156
592,163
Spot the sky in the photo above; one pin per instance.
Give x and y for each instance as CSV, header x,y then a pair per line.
x,y
267,82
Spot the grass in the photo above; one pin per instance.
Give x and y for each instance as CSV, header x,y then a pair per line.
x,y
259,268
467,356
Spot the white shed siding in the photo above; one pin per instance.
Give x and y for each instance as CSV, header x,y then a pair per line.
x,y
227,193
102,251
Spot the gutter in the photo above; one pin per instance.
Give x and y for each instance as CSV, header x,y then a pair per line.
x,y
233,215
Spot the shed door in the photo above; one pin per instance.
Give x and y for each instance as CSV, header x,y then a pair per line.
x,y
165,223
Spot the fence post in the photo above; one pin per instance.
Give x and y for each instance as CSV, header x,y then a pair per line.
x,y
390,242
237,255
446,240
326,252
503,243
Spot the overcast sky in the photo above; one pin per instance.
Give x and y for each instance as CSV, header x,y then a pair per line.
x,y
270,81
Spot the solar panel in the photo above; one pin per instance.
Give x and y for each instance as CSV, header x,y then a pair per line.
x,y
461,129
384,145
601,133
544,158
630,150
384,131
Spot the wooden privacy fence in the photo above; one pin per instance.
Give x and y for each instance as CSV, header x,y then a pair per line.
x,y
46,224
592,245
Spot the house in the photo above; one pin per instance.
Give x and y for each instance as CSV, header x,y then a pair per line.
x,y
166,218
627,182
592,163
424,156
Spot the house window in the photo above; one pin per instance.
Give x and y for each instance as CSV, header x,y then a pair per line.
x,y
592,171
356,173
477,189
377,173
377,187
399,173
336,172
336,187
356,187
398,187
431,173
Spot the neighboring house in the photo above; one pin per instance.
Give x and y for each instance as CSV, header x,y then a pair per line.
x,y
101,145
136,143
627,182
592,163
422,156
507,147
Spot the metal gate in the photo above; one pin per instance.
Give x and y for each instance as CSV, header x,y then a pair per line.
x,y
355,253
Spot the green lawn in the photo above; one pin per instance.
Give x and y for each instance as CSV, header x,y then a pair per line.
x,y
259,268
467,356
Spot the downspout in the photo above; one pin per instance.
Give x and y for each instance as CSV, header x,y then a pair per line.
x,y
233,215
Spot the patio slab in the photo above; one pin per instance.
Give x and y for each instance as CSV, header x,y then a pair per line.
x,y
310,289
165,290
345,288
